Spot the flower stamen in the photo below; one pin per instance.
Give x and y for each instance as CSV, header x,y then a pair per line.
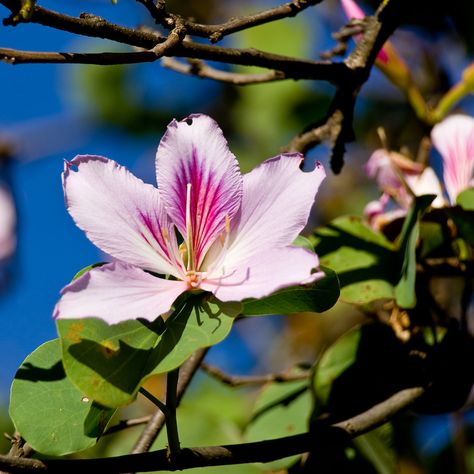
x,y
189,233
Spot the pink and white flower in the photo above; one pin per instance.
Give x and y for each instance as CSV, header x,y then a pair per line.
x,y
454,139
236,230
401,179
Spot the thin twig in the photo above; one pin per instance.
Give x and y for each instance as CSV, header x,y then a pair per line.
x,y
261,451
238,381
124,424
216,32
198,68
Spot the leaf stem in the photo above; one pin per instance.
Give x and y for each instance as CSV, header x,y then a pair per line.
x,y
154,400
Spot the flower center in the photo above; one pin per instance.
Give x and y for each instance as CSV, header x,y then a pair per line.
x,y
194,279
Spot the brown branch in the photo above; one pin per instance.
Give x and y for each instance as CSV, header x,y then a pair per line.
x,y
124,424
198,68
216,32
238,381
261,451
336,126
156,423
20,57
97,27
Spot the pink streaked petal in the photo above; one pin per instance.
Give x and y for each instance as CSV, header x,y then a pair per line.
x,y
276,202
118,292
383,165
120,214
265,273
454,139
427,183
373,209
194,151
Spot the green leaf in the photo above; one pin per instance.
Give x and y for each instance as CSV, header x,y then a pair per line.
x,y
464,220
282,409
364,260
466,199
408,238
86,269
302,241
317,298
431,237
109,363
351,376
48,410
333,363
376,447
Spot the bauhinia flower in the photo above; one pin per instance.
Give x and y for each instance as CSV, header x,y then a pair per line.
x,y
400,178
454,139
206,226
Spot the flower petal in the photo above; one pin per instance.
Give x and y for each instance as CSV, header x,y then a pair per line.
x,y
195,152
265,273
120,214
276,202
427,183
454,139
118,292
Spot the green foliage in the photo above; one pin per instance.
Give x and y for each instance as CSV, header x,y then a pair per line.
x,y
318,297
466,199
377,447
110,362
282,409
368,362
364,260
407,242
53,415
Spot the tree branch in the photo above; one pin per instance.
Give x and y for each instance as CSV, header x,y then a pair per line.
x,y
238,381
336,126
198,68
97,27
262,451
216,32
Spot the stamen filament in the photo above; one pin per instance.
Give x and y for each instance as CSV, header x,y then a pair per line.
x,y
189,234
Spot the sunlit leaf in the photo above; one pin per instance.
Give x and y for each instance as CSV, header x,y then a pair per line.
x,y
408,238
318,297
53,415
110,362
466,199
364,260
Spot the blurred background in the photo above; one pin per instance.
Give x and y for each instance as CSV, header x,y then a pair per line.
x,y
50,113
